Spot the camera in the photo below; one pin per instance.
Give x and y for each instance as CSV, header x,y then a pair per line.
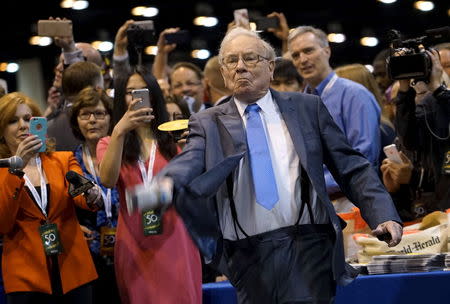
x,y
141,33
408,58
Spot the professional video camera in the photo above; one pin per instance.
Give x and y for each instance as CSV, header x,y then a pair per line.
x,y
141,34
408,58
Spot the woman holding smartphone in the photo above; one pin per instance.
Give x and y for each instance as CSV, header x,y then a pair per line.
x,y
45,256
156,261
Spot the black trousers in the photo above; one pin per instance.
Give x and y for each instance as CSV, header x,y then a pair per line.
x,y
80,295
287,265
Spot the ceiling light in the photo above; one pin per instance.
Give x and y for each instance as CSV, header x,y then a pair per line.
x,y
150,12
40,40
200,54
66,3
12,67
80,5
145,11
138,11
206,21
44,41
387,1
336,37
369,41
424,6
151,50
102,46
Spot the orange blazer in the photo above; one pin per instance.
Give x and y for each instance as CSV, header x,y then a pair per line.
x,y
24,261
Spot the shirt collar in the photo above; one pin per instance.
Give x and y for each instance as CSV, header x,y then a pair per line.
x,y
324,83
265,103
319,89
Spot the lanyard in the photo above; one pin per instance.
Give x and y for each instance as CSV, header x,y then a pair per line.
x,y
329,85
148,175
40,200
107,196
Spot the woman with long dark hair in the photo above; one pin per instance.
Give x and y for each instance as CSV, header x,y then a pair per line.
x,y
156,262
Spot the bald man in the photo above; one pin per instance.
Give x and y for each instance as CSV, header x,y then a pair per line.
x,y
214,85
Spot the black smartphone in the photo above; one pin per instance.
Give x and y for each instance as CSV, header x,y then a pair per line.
x,y
180,37
263,23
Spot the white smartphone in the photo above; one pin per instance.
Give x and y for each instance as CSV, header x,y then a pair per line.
x,y
241,18
392,154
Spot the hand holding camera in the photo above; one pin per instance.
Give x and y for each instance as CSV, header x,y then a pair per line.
x,y
61,30
165,46
157,194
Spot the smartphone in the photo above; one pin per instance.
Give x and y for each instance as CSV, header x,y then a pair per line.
x,y
52,28
241,18
392,154
38,127
141,33
264,23
145,98
180,37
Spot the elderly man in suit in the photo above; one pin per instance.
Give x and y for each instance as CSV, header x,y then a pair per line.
x,y
250,186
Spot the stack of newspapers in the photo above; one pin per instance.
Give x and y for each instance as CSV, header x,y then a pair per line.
x,y
407,263
447,261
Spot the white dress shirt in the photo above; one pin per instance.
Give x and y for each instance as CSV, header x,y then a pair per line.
x,y
253,217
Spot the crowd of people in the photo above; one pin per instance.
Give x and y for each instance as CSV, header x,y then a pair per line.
x,y
277,146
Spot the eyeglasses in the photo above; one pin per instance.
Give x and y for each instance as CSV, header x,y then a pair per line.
x,y
100,115
249,59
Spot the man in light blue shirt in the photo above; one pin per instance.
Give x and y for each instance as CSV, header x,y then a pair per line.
x,y
353,107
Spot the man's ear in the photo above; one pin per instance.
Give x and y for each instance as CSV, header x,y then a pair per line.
x,y
225,81
327,51
271,69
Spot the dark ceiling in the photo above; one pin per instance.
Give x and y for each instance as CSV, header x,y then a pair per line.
x,y
102,19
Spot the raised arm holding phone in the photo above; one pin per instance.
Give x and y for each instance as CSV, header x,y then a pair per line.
x,y
45,256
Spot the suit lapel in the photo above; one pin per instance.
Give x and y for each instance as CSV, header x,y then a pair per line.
x,y
291,117
231,129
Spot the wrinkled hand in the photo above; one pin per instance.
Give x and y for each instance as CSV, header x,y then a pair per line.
x,y
393,228
282,31
28,148
163,47
121,40
395,174
94,198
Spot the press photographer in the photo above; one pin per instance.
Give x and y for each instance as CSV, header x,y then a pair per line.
x,y
421,183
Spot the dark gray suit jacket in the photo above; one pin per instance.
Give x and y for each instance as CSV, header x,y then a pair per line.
x,y
217,142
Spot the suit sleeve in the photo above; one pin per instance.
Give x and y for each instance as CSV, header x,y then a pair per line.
x,y
190,163
12,190
354,174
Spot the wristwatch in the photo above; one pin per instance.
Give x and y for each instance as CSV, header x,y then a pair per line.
x,y
439,90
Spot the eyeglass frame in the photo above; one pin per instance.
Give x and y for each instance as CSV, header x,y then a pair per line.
x,y
102,113
240,57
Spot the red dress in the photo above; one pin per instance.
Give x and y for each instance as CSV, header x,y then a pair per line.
x,y
159,269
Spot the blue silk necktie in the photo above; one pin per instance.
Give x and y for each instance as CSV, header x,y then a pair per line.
x,y
260,162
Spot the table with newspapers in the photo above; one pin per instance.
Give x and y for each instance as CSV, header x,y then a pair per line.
x,y
393,279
